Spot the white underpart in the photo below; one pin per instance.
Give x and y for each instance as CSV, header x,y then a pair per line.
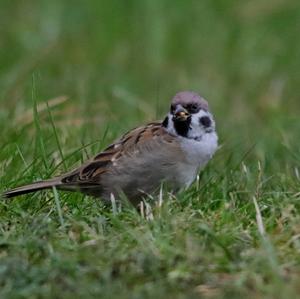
x,y
196,129
198,153
199,147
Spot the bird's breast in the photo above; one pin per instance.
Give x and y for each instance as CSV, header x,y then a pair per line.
x,y
197,154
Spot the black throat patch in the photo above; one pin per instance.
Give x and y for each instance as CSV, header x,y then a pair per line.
x,y
182,127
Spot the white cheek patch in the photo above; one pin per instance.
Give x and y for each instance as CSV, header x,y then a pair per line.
x,y
170,127
197,116
197,130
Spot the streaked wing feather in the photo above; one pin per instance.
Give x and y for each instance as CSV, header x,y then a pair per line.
x,y
91,171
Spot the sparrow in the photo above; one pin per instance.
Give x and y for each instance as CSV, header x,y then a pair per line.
x,y
170,152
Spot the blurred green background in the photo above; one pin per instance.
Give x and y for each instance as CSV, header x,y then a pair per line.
x,y
120,62
107,66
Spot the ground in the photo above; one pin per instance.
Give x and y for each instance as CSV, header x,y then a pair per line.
x,y
74,76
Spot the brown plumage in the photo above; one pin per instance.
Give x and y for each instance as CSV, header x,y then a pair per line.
x,y
169,152
111,170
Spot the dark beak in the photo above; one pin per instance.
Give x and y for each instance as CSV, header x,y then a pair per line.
x,y
181,114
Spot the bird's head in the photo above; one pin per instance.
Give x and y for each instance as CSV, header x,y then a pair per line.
x,y
189,116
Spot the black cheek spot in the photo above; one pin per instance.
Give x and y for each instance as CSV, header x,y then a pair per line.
x,y
166,122
205,121
172,108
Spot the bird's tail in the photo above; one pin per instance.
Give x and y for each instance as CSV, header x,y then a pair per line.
x,y
48,184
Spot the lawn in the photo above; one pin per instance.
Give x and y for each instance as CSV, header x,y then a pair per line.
x,y
76,75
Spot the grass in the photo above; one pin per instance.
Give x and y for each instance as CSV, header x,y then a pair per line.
x,y
73,77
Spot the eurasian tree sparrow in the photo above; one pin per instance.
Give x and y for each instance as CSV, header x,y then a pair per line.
x,y
171,152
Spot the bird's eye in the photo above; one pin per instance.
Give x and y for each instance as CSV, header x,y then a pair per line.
x,y
192,108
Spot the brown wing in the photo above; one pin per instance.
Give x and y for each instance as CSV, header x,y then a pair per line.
x,y
89,174
87,178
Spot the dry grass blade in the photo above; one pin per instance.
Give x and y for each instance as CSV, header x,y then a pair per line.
x,y
27,117
259,220
113,204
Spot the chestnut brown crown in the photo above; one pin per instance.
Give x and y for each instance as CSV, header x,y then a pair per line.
x,y
189,99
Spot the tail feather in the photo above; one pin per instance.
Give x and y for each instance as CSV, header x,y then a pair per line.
x,y
31,188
